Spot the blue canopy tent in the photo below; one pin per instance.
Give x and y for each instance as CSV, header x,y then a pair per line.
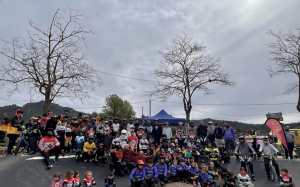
x,y
164,117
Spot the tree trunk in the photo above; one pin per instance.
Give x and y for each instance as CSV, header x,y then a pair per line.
x,y
188,116
298,105
47,102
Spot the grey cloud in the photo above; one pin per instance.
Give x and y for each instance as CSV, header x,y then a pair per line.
x,y
128,34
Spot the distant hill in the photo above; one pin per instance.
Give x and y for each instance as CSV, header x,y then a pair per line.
x,y
35,109
242,127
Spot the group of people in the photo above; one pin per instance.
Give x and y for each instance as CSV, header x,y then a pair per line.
x,y
72,179
152,154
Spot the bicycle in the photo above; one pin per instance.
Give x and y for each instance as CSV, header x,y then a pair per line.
x,y
246,160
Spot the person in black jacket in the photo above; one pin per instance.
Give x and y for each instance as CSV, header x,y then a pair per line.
x,y
16,122
157,133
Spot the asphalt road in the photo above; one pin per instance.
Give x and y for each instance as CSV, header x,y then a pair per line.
x,y
19,172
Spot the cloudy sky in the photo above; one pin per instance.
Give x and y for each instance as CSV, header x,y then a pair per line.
x,y
128,35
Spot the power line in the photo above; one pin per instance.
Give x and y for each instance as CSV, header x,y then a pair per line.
x,y
231,104
125,76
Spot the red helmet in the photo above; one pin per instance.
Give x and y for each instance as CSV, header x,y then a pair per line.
x,y
19,111
140,162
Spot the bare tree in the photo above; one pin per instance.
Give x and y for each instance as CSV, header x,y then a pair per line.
x,y
186,69
50,60
285,52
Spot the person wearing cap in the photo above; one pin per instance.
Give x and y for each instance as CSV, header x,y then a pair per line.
x,y
137,175
162,170
49,145
151,173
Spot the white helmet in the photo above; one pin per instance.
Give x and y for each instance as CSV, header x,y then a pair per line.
x,y
124,131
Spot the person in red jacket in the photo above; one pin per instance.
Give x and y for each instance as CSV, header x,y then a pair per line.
x,y
49,145
89,180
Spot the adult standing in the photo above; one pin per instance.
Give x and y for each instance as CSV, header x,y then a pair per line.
x,y
16,122
211,132
219,135
115,127
290,138
157,133
167,131
229,138
202,132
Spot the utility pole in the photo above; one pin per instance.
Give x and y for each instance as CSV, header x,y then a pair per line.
x,y
149,107
142,111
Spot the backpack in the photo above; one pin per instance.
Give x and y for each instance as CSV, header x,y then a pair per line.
x,y
219,132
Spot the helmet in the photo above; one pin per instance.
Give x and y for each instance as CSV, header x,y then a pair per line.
x,y
19,111
50,133
266,138
124,131
140,162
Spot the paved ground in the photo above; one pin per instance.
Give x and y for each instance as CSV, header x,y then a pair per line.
x,y
19,172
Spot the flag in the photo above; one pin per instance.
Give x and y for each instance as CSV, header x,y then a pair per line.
x,y
277,130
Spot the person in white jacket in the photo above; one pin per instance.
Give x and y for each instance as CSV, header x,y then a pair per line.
x,y
269,152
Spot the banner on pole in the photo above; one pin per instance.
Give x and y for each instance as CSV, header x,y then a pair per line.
x,y
277,130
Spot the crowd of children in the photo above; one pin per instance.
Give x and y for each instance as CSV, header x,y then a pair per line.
x,y
150,154
72,179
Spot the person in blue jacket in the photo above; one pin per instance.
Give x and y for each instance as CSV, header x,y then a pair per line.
x,y
137,175
173,171
204,177
182,170
194,173
162,170
151,173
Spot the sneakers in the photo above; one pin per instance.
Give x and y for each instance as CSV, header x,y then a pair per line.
x,y
50,166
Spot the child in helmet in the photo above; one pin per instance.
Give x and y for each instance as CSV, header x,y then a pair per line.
x,y
182,170
162,170
88,180
193,173
57,180
285,179
151,174
243,179
69,179
137,175
173,171
76,179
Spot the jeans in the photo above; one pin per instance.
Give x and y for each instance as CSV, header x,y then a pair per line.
x,y
289,151
12,142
